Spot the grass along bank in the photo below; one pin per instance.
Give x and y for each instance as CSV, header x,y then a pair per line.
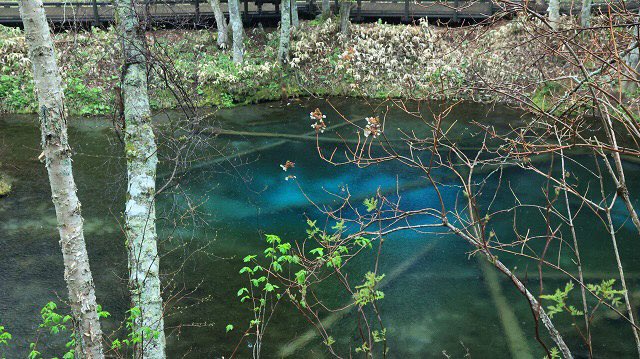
x,y
376,60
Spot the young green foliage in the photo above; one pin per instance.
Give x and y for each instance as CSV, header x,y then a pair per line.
x,y
606,291
367,293
5,337
371,204
54,323
559,298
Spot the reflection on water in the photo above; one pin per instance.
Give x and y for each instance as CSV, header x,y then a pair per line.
x,y
439,302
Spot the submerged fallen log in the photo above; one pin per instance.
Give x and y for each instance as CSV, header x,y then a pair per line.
x,y
288,136
235,155
514,335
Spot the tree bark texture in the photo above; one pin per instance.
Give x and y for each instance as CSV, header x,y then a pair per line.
x,y
285,32
633,58
238,32
585,14
345,13
57,156
326,9
140,214
221,24
554,13
295,21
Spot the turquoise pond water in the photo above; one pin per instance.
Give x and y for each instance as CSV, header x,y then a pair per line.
x,y
217,207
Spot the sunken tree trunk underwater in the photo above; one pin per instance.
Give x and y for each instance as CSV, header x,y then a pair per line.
x,y
236,27
285,32
221,24
554,13
476,240
345,13
57,157
140,214
295,21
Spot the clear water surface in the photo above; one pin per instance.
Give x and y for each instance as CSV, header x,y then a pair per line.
x,y
216,213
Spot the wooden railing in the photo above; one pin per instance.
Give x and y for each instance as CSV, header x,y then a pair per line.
x,y
101,11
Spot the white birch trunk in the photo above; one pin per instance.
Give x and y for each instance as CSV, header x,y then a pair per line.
x,y
285,32
326,9
554,13
633,59
57,155
345,13
295,21
585,14
236,27
221,24
140,214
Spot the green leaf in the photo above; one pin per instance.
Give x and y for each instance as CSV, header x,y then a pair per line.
x,y
339,226
371,203
284,247
330,341
272,238
116,344
318,251
245,270
363,242
301,276
229,328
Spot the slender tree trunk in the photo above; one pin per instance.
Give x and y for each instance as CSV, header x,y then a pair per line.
x,y
585,14
623,282
295,22
633,59
236,27
554,13
285,32
576,248
221,24
345,13
57,155
140,214
326,9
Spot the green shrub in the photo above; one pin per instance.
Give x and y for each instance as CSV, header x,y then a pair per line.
x,y
16,94
86,100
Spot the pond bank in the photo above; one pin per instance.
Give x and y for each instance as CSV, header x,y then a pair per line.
x,y
374,61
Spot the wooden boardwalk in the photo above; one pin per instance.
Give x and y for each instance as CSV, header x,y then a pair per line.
x,y
198,12
180,12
